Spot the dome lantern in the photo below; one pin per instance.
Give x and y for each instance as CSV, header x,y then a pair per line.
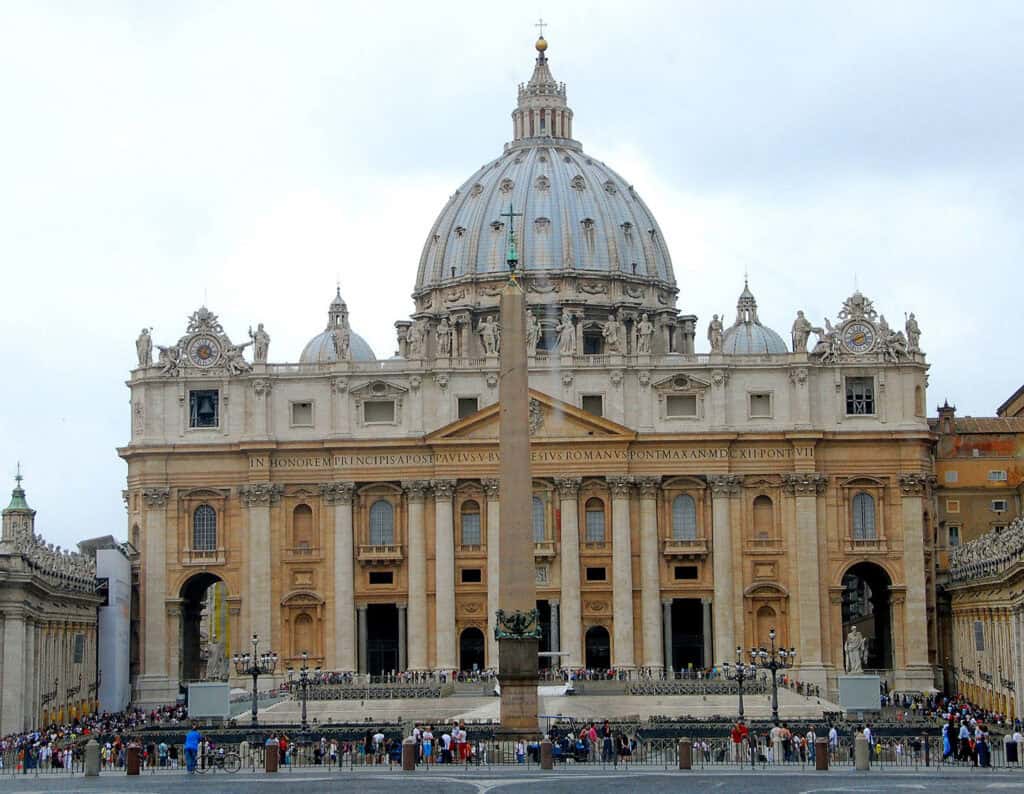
x,y
337,342
542,111
748,336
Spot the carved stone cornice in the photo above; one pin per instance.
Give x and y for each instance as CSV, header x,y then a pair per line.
x,y
620,484
805,483
261,494
913,484
568,487
649,486
416,490
725,484
492,488
337,493
156,497
443,489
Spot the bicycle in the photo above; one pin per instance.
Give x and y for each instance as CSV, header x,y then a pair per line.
x,y
226,762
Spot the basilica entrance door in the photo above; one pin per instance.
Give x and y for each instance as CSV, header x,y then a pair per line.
x,y
688,634
381,638
598,648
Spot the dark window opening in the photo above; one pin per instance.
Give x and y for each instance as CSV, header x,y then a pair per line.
x,y
597,574
468,406
472,576
686,572
860,396
382,577
203,408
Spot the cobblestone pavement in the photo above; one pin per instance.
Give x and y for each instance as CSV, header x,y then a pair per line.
x,y
482,781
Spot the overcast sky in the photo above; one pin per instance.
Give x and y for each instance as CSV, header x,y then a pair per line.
x,y
155,155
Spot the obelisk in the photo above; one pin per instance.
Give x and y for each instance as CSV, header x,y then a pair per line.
x,y
517,626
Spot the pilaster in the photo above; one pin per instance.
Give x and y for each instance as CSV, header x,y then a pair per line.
x,y
650,581
568,493
723,488
338,495
416,492
622,572
258,498
444,576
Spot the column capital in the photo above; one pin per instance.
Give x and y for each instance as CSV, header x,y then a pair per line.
x,y
553,602
361,607
337,492
667,602
804,483
620,484
261,494
443,489
416,490
725,484
568,486
916,483
649,486
156,497
492,488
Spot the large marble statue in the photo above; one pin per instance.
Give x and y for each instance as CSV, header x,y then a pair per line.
x,y
893,343
715,334
566,334
913,335
260,344
856,648
144,348
169,359
490,333
415,340
341,339
235,361
444,338
611,332
533,332
644,332
801,331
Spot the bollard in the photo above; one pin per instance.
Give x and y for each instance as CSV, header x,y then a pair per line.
x,y
821,754
860,753
92,758
271,756
686,753
132,757
409,755
547,758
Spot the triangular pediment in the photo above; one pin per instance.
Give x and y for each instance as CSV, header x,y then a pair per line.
x,y
681,382
550,419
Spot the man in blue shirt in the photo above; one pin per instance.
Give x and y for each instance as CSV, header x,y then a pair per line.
x,y
192,739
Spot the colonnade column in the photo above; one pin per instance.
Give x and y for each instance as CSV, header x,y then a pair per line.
x,y
492,490
363,639
622,572
805,488
723,487
416,492
153,684
12,711
666,630
339,495
258,499
650,579
444,576
402,659
569,556
555,629
918,674
706,632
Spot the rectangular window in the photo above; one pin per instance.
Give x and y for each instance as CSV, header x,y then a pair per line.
x,y
998,505
472,576
761,406
468,406
302,414
382,577
379,412
954,537
979,636
203,408
952,505
681,405
860,396
593,404
997,475
596,575
686,572
79,652
952,476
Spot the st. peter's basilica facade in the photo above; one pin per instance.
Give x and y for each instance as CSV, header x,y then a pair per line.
x,y
684,502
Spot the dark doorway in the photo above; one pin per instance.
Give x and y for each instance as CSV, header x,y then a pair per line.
x,y
203,624
599,648
544,608
471,650
867,605
688,634
381,638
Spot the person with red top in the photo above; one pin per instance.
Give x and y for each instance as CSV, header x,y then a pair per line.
x,y
740,736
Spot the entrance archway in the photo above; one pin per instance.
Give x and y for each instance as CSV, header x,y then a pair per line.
x,y
598,648
867,605
471,649
381,638
688,634
205,630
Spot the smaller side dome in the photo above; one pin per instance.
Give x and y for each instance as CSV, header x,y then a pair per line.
x,y
337,342
747,336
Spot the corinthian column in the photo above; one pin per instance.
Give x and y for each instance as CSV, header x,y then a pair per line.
x,y
723,487
917,675
416,492
805,489
444,576
153,683
569,556
492,489
339,496
258,499
650,581
622,572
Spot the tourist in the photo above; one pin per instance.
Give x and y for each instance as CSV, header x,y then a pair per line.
x,y
520,752
192,739
739,735
811,738
428,745
161,751
607,750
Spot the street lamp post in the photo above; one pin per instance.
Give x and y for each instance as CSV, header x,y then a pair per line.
x,y
773,660
255,664
739,673
303,683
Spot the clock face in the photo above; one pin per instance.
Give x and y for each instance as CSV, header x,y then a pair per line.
x,y
204,351
859,337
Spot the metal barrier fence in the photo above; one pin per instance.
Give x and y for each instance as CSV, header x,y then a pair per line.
x,y
33,762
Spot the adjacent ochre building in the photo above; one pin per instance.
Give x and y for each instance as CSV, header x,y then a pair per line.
x,y
684,502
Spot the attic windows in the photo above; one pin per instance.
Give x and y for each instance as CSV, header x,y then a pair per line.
x,y
379,412
681,406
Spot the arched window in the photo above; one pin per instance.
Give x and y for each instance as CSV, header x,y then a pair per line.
x,y
595,521
540,530
763,519
302,528
204,528
470,523
382,523
684,518
864,517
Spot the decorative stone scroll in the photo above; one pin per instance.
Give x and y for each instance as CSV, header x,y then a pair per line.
x,y
261,493
620,485
262,387
492,488
416,490
568,487
156,497
334,493
517,625
648,486
443,489
915,484
725,484
804,484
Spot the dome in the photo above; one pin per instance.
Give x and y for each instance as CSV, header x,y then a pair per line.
x,y
324,347
577,214
747,336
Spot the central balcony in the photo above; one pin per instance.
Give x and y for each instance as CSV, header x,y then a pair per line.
x,y
204,556
688,549
386,554
544,549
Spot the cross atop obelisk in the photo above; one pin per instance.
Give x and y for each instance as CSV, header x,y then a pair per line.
x,y
512,257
